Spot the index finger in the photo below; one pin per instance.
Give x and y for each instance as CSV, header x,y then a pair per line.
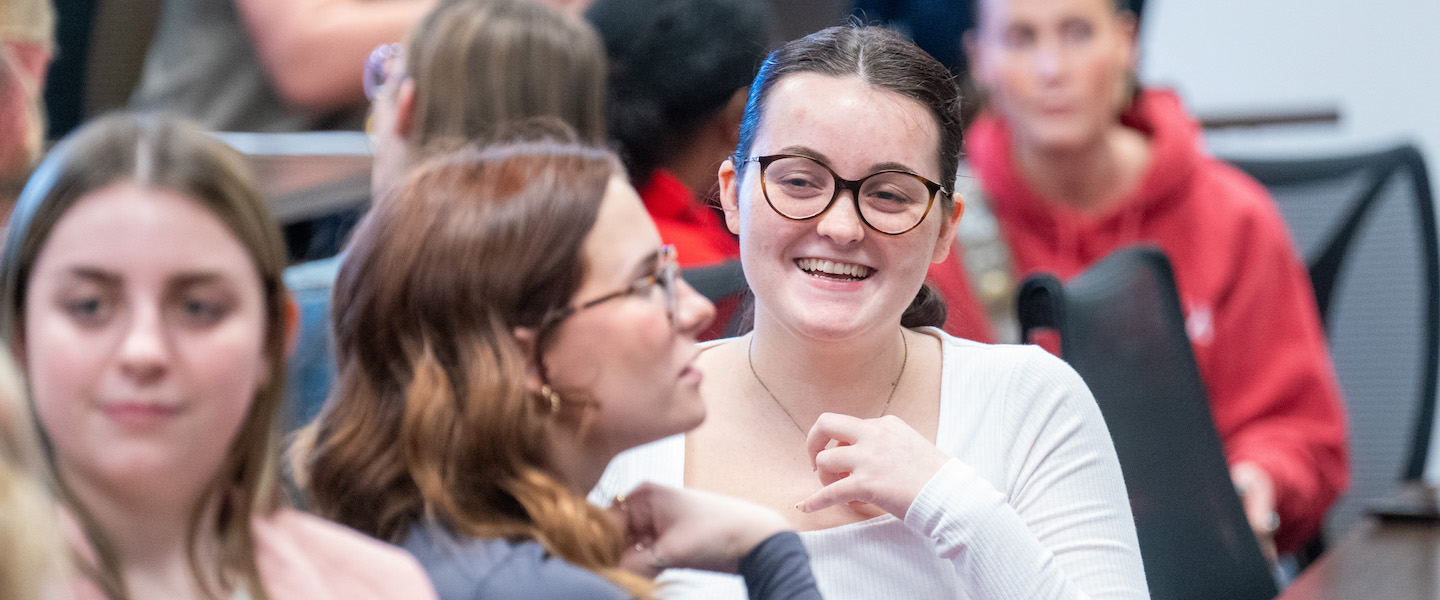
x,y
831,426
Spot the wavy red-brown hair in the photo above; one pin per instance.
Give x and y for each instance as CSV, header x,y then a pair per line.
x,y
431,417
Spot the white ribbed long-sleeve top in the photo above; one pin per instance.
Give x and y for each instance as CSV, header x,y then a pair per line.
x,y
1031,505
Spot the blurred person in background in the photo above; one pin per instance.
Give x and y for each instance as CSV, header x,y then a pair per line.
x,y
143,295
27,43
268,65
679,74
273,65
1074,160
467,70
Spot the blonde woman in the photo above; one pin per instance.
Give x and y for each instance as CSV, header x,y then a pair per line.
x,y
32,566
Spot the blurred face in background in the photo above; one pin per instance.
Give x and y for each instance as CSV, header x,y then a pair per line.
x,y
1058,71
144,341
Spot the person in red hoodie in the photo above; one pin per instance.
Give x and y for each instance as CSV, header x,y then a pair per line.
x,y
679,74
1072,163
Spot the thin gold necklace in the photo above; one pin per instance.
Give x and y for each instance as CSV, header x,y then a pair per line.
x,y
894,385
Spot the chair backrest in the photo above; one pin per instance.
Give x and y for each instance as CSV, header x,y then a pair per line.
x,y
1366,225
1121,328
725,285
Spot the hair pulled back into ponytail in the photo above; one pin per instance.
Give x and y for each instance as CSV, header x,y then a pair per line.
x,y
926,310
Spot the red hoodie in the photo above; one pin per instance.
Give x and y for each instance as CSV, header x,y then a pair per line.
x,y
1250,310
697,231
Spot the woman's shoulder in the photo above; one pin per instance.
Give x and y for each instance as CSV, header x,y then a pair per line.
x,y
1016,372
972,355
304,556
464,568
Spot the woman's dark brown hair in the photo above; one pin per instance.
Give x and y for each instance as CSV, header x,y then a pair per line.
x,y
431,418
886,60
166,153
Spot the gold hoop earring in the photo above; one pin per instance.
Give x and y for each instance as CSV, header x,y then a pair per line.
x,y
552,396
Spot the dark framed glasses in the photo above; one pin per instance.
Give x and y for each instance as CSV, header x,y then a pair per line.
x,y
799,187
378,68
667,272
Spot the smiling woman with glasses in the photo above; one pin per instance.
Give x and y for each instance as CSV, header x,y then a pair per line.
x,y
504,328
915,464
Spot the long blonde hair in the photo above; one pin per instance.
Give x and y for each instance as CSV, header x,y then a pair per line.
x,y
431,418
166,153
33,559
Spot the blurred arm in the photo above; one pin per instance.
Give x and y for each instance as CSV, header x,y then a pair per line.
x,y
314,50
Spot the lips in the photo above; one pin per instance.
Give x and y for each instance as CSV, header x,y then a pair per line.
x,y
139,414
835,270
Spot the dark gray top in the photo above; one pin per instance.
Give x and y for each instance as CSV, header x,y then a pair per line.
x,y
495,569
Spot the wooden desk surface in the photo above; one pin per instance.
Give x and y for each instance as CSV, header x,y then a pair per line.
x,y
1378,560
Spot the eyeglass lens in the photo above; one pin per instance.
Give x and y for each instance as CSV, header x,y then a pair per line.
x,y
669,272
890,201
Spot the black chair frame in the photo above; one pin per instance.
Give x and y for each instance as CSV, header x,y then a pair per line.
x,y
1327,266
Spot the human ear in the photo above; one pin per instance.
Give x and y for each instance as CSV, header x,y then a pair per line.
x,y
733,115
729,195
947,231
1129,34
292,324
974,56
290,332
405,108
527,339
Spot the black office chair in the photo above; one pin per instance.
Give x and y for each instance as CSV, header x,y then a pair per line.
x,y
1366,225
725,285
1121,328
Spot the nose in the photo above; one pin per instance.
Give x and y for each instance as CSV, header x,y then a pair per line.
x,y
693,312
1048,61
144,352
842,222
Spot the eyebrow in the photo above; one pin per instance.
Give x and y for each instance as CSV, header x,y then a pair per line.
x,y
95,275
187,279
820,156
646,266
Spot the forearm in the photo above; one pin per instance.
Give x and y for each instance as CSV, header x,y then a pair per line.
x,y
1087,551
314,50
